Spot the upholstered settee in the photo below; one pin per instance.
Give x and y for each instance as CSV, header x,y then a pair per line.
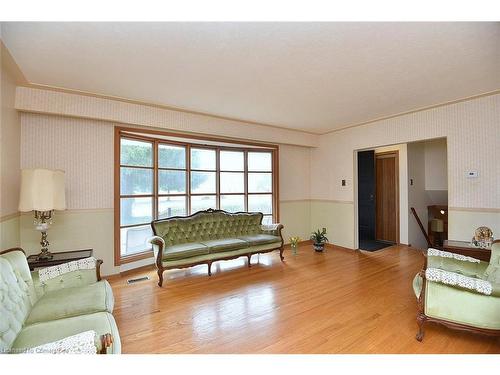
x,y
39,309
459,292
209,236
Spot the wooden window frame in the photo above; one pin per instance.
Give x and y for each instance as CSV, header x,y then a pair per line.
x,y
149,136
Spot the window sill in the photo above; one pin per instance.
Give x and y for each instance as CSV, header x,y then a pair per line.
x,y
135,257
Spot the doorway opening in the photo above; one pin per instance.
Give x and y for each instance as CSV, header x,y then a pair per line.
x,y
378,199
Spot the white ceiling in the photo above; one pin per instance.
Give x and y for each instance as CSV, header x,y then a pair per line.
x,y
315,77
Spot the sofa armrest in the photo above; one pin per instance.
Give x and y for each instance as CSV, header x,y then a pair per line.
x,y
273,229
158,245
74,278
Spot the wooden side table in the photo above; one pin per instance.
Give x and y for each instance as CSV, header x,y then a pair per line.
x,y
58,258
465,248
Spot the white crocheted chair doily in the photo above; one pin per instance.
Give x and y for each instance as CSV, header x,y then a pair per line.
x,y
451,278
446,254
55,271
81,343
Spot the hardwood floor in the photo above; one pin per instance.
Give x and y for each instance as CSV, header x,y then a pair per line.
x,y
341,301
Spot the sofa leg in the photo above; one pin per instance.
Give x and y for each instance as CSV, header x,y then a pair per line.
x,y
420,321
282,248
209,268
249,256
160,277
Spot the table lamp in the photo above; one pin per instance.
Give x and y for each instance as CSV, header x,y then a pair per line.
x,y
437,226
42,191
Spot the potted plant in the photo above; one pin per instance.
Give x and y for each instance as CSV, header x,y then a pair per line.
x,y
319,239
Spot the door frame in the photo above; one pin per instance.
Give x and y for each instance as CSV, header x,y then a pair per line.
x,y
396,169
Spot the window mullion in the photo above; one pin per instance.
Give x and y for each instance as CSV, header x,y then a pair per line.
x,y
217,178
188,180
245,183
156,181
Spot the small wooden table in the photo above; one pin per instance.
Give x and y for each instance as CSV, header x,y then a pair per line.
x,y
465,248
58,258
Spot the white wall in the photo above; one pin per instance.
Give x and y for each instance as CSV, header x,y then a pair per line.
x,y
471,128
417,196
436,164
10,149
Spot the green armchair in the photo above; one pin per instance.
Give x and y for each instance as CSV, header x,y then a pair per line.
x,y
44,311
459,292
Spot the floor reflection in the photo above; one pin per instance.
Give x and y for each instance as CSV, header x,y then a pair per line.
x,y
236,311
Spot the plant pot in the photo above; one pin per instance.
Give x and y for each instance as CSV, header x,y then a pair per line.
x,y
319,247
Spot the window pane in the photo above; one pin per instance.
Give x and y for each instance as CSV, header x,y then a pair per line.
x,y
259,161
171,156
137,153
171,182
171,206
232,182
133,240
231,161
135,181
260,182
202,182
267,219
202,159
200,202
260,203
232,203
136,210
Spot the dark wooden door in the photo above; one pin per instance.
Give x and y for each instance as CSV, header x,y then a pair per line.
x,y
366,195
387,196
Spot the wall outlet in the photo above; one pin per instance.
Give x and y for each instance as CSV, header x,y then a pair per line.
x,y
344,183
472,174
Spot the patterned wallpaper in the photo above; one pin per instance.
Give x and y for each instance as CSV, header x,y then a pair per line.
x,y
59,103
472,129
82,148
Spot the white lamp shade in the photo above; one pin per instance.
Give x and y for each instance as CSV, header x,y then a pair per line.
x,y
42,190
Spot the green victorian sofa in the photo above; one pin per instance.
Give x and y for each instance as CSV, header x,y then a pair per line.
x,y
209,236
39,310
459,292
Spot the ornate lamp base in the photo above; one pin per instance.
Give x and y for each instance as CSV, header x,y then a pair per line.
x,y
42,221
44,255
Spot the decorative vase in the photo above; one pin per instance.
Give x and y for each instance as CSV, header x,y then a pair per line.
x,y
319,247
294,249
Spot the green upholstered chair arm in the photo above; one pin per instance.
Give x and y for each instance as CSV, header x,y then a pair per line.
x,y
495,253
77,278
495,289
463,267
